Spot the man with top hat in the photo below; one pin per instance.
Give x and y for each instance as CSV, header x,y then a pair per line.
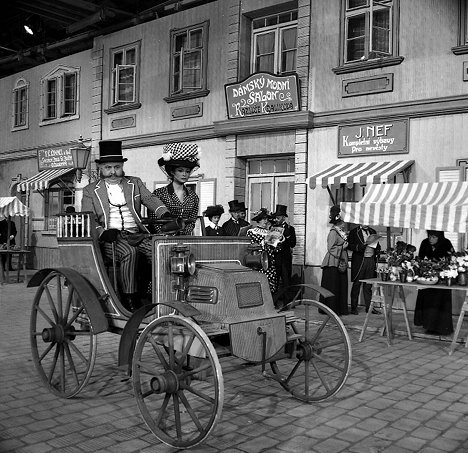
x,y
363,242
178,161
213,213
284,253
232,226
116,199
242,215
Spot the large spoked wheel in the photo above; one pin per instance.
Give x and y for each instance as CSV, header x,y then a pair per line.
x,y
63,344
177,380
323,353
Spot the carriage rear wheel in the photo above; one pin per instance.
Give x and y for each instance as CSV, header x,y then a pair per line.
x,y
322,349
177,381
63,344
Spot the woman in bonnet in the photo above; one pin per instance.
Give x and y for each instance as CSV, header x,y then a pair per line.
x,y
332,279
178,162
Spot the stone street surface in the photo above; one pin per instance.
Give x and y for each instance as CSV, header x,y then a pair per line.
x,y
409,397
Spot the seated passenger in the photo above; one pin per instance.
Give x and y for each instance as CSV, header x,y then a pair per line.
x,y
214,214
115,200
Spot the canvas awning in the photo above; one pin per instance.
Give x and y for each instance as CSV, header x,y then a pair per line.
x,y
11,206
359,173
439,206
43,179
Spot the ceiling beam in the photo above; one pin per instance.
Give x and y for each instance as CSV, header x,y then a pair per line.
x,y
81,4
49,12
88,21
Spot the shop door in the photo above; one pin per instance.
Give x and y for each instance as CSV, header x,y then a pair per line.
x,y
267,192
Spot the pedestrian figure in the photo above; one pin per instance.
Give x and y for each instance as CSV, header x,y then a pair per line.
x,y
213,213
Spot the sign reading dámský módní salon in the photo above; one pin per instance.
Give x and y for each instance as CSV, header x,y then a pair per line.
x,y
55,158
262,93
387,137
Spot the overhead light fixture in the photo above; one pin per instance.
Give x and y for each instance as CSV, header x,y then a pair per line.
x,y
28,29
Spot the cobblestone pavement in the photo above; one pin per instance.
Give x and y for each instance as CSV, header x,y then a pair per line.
x,y
410,397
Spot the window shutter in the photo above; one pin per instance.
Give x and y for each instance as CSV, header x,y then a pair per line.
x,y
206,193
444,174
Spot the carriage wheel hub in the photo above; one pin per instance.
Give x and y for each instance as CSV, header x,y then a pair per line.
x,y
166,383
306,350
57,334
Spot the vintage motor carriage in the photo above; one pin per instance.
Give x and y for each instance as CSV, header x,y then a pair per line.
x,y
206,304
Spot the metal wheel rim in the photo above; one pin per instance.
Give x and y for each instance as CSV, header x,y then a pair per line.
x,y
323,368
64,364
165,413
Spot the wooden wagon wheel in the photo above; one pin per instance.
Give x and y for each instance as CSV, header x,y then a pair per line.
x,y
63,343
323,352
177,380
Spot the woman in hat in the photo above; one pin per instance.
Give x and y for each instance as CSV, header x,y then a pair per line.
x,y
214,214
178,162
333,279
258,235
433,308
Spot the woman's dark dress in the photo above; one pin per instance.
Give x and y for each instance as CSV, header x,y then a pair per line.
x,y
433,308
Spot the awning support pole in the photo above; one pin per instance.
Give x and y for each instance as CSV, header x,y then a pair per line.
x,y
331,195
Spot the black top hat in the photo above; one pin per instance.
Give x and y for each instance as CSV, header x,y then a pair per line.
x,y
261,214
211,211
241,206
110,151
280,210
179,155
233,206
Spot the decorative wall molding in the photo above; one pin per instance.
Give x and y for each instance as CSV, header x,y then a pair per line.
x,y
367,85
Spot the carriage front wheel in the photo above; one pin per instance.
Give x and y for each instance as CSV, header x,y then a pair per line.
x,y
177,381
63,343
321,350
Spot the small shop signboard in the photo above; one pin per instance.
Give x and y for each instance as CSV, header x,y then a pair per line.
x,y
262,93
386,137
60,157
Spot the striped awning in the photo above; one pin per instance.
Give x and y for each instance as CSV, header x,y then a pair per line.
x,y
431,206
11,206
43,179
359,173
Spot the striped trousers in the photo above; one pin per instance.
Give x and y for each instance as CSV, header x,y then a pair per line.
x,y
126,256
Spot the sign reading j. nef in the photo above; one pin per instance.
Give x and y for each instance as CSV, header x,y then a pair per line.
x,y
387,137
55,158
262,94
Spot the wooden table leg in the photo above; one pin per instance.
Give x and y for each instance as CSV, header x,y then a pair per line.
x,y
2,271
459,326
387,309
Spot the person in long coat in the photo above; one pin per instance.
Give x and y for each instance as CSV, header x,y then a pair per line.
x,y
332,279
232,226
4,239
433,308
213,213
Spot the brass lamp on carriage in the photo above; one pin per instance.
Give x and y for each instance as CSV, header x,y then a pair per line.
x,y
182,262
80,155
256,258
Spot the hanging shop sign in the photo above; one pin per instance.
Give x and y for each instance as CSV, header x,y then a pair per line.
x,y
387,137
262,93
60,157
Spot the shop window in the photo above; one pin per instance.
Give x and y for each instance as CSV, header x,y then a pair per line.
x,y
60,95
124,78
270,166
274,43
57,198
462,44
20,118
189,59
369,30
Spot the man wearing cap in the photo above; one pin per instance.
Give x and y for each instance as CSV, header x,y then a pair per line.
x,y
284,254
232,226
116,201
363,242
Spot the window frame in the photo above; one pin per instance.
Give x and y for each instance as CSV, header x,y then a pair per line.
x,y
278,30
20,86
462,44
201,91
57,190
115,103
59,76
369,61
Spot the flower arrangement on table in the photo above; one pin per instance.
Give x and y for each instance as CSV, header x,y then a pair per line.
x,y
398,260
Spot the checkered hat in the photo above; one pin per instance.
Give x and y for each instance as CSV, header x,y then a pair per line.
x,y
180,155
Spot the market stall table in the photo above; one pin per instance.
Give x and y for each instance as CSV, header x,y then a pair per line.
x,y
21,266
380,295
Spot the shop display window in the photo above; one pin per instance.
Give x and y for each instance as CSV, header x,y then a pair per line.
x,y
20,109
57,198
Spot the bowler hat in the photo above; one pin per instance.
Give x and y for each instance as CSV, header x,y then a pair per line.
x,y
280,210
233,206
211,211
110,151
179,155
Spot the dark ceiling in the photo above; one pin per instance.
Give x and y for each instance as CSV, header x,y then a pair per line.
x,y
63,27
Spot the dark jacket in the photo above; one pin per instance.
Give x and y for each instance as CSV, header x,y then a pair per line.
x,y
4,231
232,228
442,249
357,245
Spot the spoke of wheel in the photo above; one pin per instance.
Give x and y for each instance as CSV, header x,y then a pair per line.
x,y
186,349
196,370
307,377
175,400
45,316
54,363
69,302
190,389
79,353
59,297
144,368
293,371
81,332
170,345
323,359
62,364
71,363
158,352
73,318
190,411
163,409
47,351
51,303
333,343
322,378
320,330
